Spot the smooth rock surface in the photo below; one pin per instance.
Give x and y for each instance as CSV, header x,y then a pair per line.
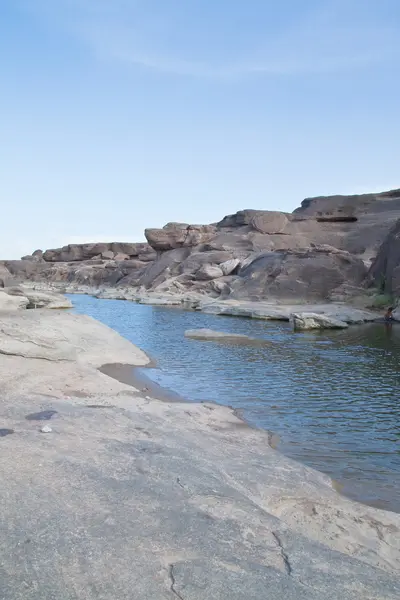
x,y
283,312
138,498
221,336
8,302
63,336
308,320
46,300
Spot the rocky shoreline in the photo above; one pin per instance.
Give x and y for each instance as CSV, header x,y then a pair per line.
x,y
302,316
126,494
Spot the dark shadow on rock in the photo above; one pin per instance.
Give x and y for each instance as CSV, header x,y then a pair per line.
x,y
44,415
4,432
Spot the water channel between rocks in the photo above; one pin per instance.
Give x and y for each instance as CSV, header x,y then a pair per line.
x,y
333,398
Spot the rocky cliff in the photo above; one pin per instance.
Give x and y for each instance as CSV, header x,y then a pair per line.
x,y
322,251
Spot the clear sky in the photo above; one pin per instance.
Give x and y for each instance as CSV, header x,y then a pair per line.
x,y
118,115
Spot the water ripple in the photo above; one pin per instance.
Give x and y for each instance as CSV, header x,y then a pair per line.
x,y
333,398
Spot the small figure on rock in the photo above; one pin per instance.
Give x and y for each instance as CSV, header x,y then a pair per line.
x,y
389,315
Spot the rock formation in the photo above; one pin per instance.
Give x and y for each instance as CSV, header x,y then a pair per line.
x,y
17,298
322,251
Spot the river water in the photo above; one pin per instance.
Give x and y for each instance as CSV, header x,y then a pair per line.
x,y
333,398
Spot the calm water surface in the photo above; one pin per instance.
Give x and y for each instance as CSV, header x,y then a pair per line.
x,y
333,398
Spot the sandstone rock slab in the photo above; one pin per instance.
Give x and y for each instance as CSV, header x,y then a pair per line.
x,y
308,320
62,336
12,303
223,336
207,272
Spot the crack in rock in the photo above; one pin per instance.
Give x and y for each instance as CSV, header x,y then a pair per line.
x,y
285,558
173,583
178,481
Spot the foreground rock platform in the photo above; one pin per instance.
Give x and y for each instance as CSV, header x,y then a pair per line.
x,y
132,497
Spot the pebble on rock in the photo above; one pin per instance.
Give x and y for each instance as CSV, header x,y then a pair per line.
x,y
46,429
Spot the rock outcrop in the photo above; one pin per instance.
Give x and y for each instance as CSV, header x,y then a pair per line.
x,y
322,251
9,302
179,235
308,320
19,298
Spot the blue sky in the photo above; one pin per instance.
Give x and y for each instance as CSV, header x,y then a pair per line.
x,y
118,115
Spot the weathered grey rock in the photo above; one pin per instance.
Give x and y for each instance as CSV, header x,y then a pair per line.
x,y
329,207
162,269
81,252
178,235
307,275
229,266
46,300
39,299
196,259
121,256
107,255
283,312
309,320
12,303
161,499
265,221
222,336
207,272
62,336
22,270
269,222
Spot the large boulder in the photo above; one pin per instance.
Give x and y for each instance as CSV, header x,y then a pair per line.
x,y
178,235
264,221
11,303
308,320
229,266
25,297
269,222
207,272
307,275
197,259
49,300
168,264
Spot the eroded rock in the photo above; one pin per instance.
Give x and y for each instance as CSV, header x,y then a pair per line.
x,y
308,320
221,336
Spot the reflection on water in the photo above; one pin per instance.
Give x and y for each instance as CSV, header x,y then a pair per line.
x,y
332,397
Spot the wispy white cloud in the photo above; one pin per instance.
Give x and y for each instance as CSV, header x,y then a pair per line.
x,y
163,35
